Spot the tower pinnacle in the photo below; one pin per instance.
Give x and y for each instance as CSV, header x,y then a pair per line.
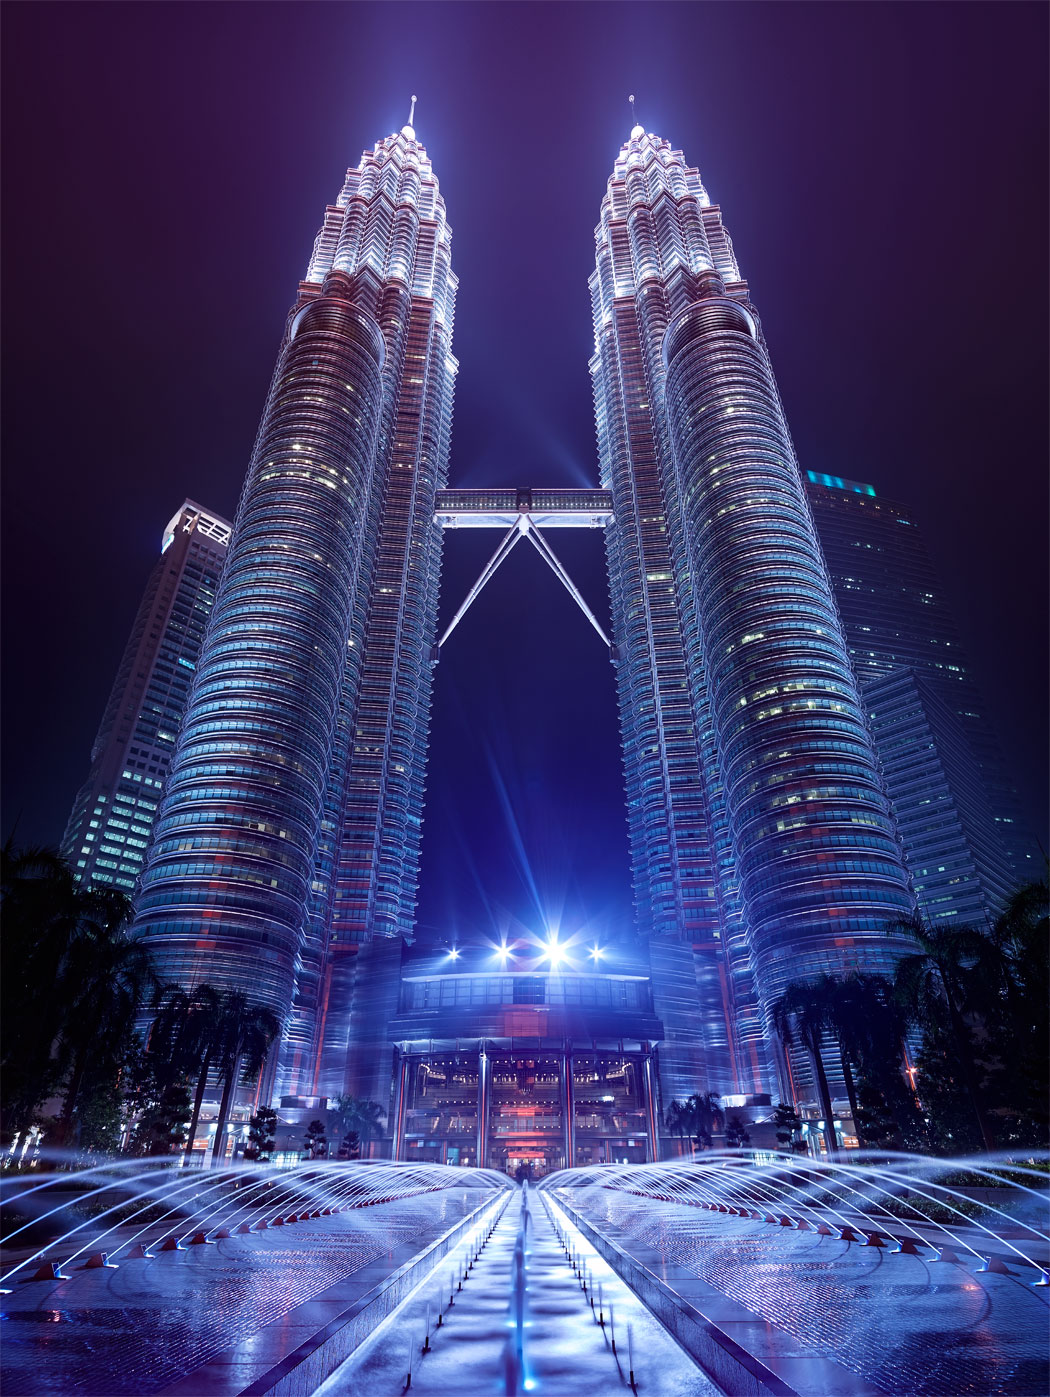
x,y
637,131
408,129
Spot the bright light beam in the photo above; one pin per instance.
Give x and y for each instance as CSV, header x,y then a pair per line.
x,y
555,953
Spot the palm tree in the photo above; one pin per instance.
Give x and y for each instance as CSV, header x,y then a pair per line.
x,y
1020,936
244,1033
110,975
935,985
804,1013
706,1107
359,1117
41,920
72,984
182,1043
677,1119
870,1028
695,1117
172,1045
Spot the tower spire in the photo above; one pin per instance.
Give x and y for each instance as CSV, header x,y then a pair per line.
x,y
408,130
636,128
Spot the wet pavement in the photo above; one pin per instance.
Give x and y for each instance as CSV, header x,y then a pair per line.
x,y
905,1325
142,1327
566,1351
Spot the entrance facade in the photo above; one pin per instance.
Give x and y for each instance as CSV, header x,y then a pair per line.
x,y
521,1071
524,1109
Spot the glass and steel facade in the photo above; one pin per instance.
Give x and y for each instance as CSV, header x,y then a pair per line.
x,y
519,1068
290,822
958,865
895,617
760,832
108,830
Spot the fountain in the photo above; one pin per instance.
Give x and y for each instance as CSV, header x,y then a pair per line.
x,y
196,1207
157,1272
918,1275
875,1193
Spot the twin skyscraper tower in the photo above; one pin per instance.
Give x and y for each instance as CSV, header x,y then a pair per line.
x,y
762,843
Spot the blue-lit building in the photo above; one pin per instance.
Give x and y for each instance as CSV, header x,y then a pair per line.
x,y
958,865
762,843
506,1058
285,855
109,827
289,828
895,616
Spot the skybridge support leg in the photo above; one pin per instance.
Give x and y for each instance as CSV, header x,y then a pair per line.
x,y
510,538
522,527
548,555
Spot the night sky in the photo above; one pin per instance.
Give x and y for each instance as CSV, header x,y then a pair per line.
x,y
882,169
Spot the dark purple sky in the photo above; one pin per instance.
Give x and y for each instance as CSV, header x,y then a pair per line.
x,y
882,169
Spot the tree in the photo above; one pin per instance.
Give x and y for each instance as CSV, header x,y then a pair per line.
x,y
188,1034
73,981
110,975
870,1028
736,1133
803,1013
676,1118
789,1129
360,1118
315,1142
350,1145
698,1116
935,986
876,1124
706,1108
42,914
262,1135
160,1128
1017,1017
243,1035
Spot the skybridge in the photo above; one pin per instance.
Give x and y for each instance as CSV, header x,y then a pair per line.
x,y
522,513
547,509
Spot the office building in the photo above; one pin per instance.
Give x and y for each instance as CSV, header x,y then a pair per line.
x,y
290,822
108,831
896,616
761,838
959,868
285,855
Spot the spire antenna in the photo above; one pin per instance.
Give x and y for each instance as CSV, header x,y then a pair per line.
x,y
637,131
412,110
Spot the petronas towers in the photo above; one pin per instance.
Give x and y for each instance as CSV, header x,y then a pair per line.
x,y
761,841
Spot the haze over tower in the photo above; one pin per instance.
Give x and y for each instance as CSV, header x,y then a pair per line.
x,y
760,835
290,822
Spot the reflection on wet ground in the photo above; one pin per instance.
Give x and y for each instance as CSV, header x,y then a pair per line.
x,y
566,1351
139,1328
905,1324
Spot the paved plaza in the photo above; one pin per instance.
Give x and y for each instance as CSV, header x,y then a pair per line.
x,y
904,1325
566,1290
211,1319
566,1350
